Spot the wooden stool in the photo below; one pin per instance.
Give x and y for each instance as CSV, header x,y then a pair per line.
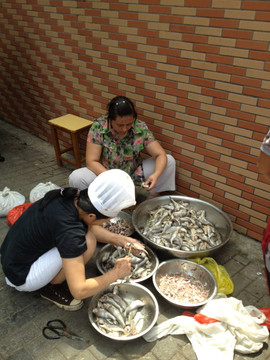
x,y
73,125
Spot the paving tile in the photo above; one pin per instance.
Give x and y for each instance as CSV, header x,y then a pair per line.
x,y
23,315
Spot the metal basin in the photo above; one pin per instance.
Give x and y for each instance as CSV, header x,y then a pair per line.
x,y
122,215
194,271
152,258
130,292
216,216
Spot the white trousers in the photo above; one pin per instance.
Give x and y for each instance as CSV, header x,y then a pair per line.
x,y
81,178
41,273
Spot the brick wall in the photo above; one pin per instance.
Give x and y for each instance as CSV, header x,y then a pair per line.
x,y
197,70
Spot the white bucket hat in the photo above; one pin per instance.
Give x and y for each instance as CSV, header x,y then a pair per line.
x,y
112,191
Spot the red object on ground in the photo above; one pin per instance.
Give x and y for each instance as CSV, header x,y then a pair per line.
x,y
14,214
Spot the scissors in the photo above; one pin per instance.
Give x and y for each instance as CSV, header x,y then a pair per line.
x,y
57,328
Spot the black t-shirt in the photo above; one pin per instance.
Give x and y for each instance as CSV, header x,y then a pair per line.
x,y
36,232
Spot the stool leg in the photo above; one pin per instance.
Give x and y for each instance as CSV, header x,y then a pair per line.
x,y
56,145
76,150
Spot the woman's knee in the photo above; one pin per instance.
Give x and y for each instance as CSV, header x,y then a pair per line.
x,y
171,162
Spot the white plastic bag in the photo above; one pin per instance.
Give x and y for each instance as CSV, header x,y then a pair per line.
x,y
41,189
8,200
237,329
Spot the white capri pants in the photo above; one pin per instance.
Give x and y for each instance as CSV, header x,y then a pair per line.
x,y
41,273
81,178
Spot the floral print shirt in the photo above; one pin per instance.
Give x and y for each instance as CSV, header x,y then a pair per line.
x,y
123,153
265,147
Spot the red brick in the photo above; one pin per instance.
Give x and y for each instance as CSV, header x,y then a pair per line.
x,y
155,73
206,48
205,180
189,103
198,3
191,71
251,126
241,80
259,55
215,13
194,38
159,9
171,19
157,42
146,64
227,69
136,54
219,59
245,157
205,152
137,24
264,103
231,175
199,113
237,34
202,82
224,23
235,146
255,45
220,134
169,52
128,15
182,28
178,61
211,124
215,93
256,5
216,163
148,33
167,83
262,16
240,115
226,104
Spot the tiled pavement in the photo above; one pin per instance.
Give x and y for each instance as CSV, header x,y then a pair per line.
x,y
29,161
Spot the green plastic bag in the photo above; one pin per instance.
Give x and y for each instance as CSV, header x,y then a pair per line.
x,y
224,282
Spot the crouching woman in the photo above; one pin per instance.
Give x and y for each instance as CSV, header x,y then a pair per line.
x,y
47,248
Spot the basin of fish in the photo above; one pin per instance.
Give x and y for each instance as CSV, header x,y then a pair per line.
x,y
123,311
182,226
143,264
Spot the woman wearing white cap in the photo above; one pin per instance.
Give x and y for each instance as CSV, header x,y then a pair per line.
x,y
56,236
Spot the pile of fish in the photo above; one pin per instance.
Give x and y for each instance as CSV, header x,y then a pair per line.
x,y
179,226
117,316
120,226
141,265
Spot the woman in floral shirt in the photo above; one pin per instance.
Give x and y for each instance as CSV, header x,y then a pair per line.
x,y
264,168
116,141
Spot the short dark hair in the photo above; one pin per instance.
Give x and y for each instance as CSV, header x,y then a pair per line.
x,y
121,106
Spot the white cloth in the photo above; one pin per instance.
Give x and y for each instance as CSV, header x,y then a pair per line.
x,y
237,330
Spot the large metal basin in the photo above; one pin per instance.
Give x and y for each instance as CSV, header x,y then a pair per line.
x,y
216,216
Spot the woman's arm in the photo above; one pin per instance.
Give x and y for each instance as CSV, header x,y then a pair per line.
x,y
93,155
105,236
82,288
156,151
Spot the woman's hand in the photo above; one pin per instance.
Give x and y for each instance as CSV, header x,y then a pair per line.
x,y
123,267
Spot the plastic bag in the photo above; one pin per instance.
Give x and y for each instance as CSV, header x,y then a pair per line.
x,y
8,200
14,214
236,329
40,190
224,282
266,312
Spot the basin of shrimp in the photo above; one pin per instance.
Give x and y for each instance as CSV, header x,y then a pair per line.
x,y
184,283
181,226
143,264
123,311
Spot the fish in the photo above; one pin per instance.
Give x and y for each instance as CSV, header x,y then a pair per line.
x,y
124,320
141,259
179,226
